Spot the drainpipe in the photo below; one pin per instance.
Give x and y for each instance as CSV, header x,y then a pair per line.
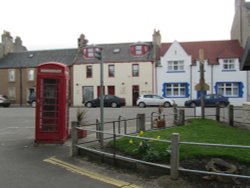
x,y
153,77
21,86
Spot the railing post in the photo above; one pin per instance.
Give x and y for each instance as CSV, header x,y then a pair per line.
x,y
231,115
217,113
152,120
182,117
98,129
175,161
74,139
125,127
119,124
175,114
141,122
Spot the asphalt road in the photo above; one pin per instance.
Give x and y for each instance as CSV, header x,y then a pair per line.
x,y
22,165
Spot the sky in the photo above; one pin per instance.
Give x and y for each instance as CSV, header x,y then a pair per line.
x,y
57,24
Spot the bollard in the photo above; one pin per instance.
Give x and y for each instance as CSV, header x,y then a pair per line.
x,y
217,113
175,161
141,122
231,115
175,155
74,139
175,114
181,117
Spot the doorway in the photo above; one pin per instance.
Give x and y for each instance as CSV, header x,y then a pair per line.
x,y
135,94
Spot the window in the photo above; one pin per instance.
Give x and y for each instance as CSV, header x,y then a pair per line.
x,y
228,64
11,92
135,70
139,49
12,76
89,71
176,90
31,75
111,70
89,52
230,89
175,66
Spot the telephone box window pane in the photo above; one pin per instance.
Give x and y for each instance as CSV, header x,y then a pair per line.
x,y
49,104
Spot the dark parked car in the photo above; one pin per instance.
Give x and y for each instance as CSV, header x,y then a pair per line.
x,y
4,101
211,100
32,99
109,101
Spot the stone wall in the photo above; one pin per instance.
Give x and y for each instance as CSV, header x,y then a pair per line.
x,y
246,112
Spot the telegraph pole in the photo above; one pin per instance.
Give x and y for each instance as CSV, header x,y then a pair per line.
x,y
202,82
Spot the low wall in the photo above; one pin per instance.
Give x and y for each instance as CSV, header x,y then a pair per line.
x,y
246,114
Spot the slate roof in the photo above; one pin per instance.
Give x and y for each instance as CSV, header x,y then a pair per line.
x,y
212,49
67,56
122,54
31,59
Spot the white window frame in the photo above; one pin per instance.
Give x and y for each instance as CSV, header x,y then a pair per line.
x,y
31,75
228,64
175,90
12,92
138,49
228,89
12,75
175,66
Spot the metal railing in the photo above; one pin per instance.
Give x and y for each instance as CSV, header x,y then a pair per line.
x,y
174,143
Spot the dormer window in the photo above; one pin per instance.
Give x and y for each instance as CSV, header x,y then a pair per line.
x,y
89,52
139,49
228,64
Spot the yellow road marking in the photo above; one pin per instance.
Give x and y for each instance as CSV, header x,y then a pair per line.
x,y
90,174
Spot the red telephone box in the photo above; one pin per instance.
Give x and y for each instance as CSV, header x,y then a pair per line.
x,y
52,103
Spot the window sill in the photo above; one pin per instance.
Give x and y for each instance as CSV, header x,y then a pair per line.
x,y
176,71
233,70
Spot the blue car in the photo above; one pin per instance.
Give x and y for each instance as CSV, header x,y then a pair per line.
x,y
211,100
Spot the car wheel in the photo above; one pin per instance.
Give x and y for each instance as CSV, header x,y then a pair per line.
x,y
142,105
33,104
89,104
114,105
166,105
193,105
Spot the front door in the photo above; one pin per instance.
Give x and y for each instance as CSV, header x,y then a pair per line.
x,y
111,90
135,94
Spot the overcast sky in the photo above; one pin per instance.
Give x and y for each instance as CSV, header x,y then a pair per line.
x,y
56,24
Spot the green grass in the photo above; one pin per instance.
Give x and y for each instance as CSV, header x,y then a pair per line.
x,y
198,130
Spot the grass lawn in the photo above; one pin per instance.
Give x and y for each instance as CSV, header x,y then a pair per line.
x,y
197,130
